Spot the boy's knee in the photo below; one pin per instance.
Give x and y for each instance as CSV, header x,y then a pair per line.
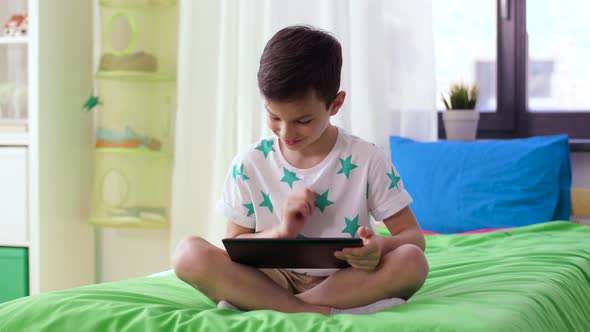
x,y
191,258
410,266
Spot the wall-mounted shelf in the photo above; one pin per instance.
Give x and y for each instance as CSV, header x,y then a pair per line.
x,y
14,40
128,222
14,139
14,244
136,76
137,3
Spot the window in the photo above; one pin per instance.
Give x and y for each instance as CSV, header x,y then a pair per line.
x,y
536,80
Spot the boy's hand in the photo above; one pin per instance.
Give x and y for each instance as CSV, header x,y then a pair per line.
x,y
367,257
297,209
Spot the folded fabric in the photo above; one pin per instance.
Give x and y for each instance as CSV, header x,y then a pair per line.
x,y
129,144
139,61
111,138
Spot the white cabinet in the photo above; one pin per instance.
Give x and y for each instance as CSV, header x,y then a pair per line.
x,y
13,196
46,142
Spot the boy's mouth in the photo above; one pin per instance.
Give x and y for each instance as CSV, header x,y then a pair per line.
x,y
293,142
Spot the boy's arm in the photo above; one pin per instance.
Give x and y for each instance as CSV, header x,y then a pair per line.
x,y
298,207
404,230
235,230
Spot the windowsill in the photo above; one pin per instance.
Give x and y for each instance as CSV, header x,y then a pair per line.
x,y
580,145
576,144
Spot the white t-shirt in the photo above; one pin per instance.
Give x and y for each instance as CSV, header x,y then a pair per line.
x,y
354,180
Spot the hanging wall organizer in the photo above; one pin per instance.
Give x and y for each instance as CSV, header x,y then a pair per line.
x,y
135,104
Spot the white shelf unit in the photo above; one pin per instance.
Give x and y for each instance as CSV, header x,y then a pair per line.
x,y
13,40
14,139
58,144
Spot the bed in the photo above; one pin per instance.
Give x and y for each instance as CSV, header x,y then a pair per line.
x,y
523,275
532,278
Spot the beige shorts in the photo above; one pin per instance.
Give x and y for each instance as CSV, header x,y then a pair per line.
x,y
293,282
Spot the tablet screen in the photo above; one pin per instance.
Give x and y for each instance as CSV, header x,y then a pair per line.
x,y
311,253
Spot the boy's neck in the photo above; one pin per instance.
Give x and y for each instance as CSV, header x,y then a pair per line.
x,y
313,154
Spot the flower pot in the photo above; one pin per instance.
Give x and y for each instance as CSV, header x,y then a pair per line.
x,y
461,125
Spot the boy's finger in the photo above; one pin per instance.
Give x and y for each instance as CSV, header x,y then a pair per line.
x,y
310,195
362,251
357,258
341,256
362,267
305,210
365,263
365,232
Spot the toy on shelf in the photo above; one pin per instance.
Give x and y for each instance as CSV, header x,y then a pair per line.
x,y
138,61
128,138
16,26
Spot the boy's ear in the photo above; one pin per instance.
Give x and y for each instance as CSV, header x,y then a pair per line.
x,y
337,103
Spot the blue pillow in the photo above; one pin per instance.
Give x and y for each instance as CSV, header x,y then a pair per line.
x,y
466,186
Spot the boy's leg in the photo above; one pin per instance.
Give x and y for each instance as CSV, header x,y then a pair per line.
x,y
210,270
400,273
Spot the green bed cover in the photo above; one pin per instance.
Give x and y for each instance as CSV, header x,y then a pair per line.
x,y
534,278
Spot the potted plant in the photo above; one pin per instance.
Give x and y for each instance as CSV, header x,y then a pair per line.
x,y
461,118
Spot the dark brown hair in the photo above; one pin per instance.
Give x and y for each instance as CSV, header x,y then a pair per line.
x,y
298,59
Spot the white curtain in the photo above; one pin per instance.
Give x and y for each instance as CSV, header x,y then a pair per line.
x,y
388,74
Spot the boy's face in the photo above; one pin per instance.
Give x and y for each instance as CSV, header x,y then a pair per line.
x,y
301,123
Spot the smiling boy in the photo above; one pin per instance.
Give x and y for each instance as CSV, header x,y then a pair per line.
x,y
311,179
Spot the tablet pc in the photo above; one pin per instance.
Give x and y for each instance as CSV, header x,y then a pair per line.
x,y
310,253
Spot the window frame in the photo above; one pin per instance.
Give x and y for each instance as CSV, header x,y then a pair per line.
x,y
512,119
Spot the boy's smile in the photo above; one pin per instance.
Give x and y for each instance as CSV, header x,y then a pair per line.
x,y
303,125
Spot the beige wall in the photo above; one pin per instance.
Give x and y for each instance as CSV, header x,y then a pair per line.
x,y
127,253
581,173
581,170
62,246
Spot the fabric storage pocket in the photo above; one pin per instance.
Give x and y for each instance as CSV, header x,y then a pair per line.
x,y
136,84
138,35
131,188
136,111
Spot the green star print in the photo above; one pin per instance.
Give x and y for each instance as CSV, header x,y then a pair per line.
x,y
351,226
322,201
394,179
347,166
234,172
250,208
289,177
266,201
239,172
244,177
266,147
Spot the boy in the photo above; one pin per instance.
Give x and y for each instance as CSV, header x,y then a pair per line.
x,y
312,180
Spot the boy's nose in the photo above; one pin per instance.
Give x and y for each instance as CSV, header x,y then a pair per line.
x,y
286,132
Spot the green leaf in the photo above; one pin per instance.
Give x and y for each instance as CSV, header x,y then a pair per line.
x,y
461,96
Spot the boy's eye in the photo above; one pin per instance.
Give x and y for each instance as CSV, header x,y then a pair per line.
x,y
304,121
